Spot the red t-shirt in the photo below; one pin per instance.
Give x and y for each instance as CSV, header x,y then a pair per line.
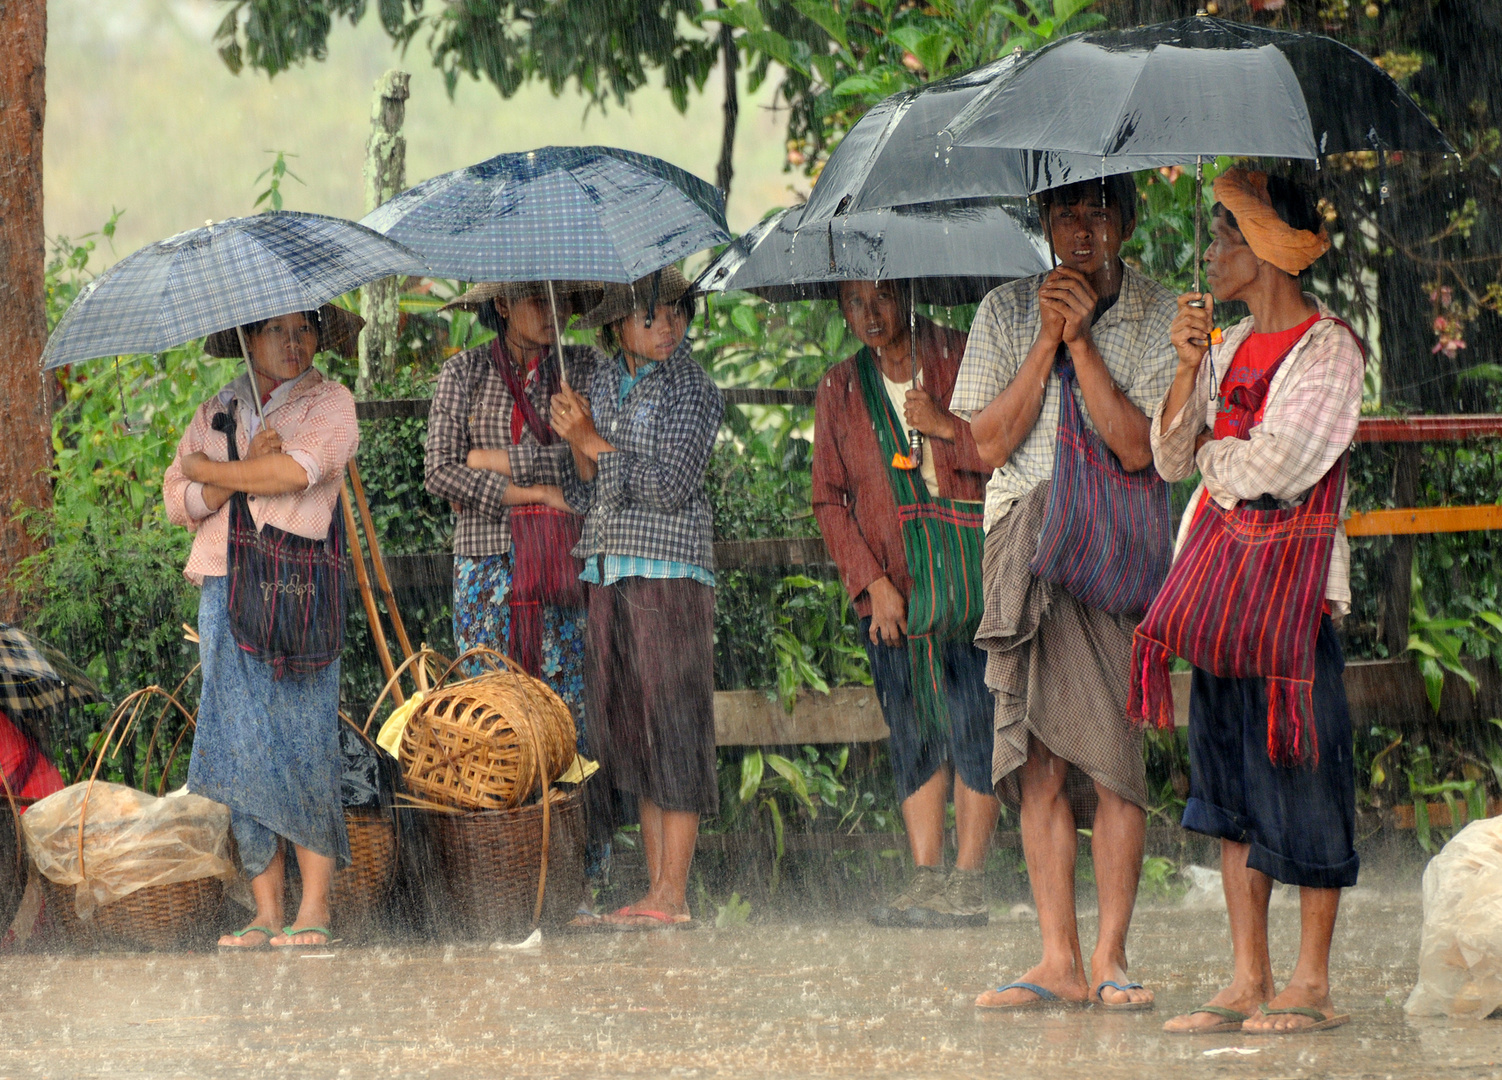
x,y
27,771
1243,391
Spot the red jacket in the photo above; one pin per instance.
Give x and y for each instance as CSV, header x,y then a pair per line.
x,y
852,494
27,772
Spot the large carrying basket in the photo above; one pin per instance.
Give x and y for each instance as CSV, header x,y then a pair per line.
x,y
494,863
168,915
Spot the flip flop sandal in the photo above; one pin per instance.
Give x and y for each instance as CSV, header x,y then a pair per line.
x,y
240,934
661,920
1044,998
1121,1006
1321,1021
293,931
1231,1020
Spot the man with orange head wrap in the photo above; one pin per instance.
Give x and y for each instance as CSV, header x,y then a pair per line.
x,y
1266,416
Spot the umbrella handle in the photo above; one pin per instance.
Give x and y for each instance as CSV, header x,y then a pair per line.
x,y
557,332
1199,203
255,387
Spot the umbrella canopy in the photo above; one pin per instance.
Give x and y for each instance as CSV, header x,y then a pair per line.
x,y
897,154
222,276
583,213
957,252
1197,87
35,679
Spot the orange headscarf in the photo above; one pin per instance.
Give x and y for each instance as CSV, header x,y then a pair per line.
x,y
1244,194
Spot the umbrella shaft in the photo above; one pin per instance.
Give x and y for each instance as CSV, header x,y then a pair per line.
x,y
255,386
557,332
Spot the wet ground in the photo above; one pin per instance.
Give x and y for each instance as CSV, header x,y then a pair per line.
x,y
813,998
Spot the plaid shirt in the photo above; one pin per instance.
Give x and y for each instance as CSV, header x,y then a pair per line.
x,y
471,410
315,416
1133,341
648,499
1309,420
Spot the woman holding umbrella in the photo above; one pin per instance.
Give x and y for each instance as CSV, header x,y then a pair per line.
x,y
267,741
641,442
1266,416
490,448
869,509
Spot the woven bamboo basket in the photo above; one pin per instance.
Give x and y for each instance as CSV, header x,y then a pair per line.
x,y
488,742
13,863
495,864
168,916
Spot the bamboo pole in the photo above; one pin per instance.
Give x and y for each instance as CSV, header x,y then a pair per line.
x,y
362,579
383,580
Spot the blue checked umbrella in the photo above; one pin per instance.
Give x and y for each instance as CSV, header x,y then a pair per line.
x,y
561,213
221,276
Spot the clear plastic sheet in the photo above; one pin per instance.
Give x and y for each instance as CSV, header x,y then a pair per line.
x,y
130,840
1460,959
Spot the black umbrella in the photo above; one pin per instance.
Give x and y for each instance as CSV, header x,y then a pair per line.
x,y
1196,87
953,252
36,681
895,154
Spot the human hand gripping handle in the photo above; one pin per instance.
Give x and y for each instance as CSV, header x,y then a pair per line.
x,y
1192,331
925,414
573,419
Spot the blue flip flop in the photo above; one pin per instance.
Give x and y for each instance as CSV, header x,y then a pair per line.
x,y
1044,997
1121,1006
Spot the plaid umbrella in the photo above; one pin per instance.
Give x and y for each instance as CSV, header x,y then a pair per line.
x,y
36,679
582,213
221,276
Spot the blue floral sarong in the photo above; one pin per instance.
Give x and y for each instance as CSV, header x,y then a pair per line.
x,y
482,616
266,748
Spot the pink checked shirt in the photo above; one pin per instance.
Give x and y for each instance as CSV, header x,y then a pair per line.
x,y
1313,406
314,416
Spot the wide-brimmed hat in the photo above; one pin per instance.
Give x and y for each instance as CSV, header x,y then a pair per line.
x,y
621,300
338,332
583,294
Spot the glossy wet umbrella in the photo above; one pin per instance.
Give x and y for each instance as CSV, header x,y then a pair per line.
x,y
36,680
953,252
561,213
897,154
1196,87
223,275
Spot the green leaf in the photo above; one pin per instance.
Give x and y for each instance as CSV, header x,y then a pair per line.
x,y
751,774
745,321
790,772
1434,680
827,18
856,85
1421,824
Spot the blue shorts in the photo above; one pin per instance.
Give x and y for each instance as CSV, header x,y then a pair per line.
x,y
1300,821
971,715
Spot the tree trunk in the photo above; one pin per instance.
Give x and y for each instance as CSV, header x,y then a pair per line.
x,y
25,422
731,109
385,175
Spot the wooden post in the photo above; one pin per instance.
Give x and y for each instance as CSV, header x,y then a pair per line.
x,y
25,412
1398,596
385,175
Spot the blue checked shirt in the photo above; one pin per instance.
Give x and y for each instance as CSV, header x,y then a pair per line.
x,y
646,511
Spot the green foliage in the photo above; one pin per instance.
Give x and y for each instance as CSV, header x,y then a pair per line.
x,y
838,60
607,50
277,171
1159,880
733,912
816,639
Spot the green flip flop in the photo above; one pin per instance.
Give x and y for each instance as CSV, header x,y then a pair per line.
x,y
293,931
1321,1021
1231,1020
240,934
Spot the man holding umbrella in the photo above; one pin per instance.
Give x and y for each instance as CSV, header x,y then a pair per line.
x,y
1058,667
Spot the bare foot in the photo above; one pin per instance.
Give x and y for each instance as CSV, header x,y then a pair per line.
x,y
1063,981
676,909
255,936
304,936
1111,971
1236,997
1292,997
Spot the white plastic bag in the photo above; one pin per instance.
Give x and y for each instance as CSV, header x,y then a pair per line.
x,y
130,840
1460,959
